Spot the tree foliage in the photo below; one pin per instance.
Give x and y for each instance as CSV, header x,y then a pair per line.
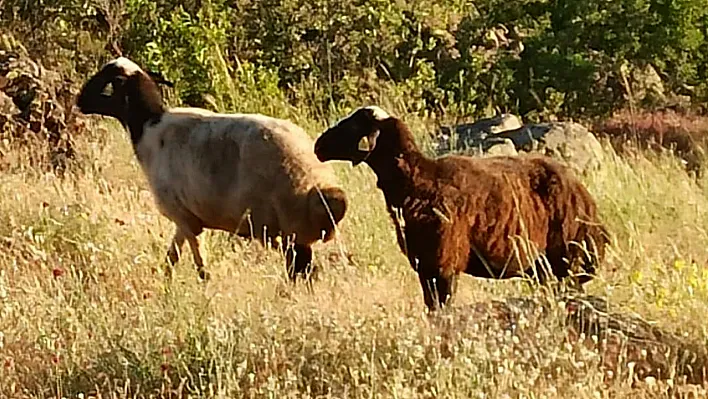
x,y
539,58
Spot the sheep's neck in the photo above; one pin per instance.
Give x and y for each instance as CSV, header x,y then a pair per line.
x,y
396,176
396,162
136,125
144,106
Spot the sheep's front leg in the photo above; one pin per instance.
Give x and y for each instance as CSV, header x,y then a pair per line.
x,y
438,290
298,260
174,251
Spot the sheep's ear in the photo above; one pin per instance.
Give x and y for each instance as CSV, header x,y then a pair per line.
x,y
159,79
364,144
368,143
119,80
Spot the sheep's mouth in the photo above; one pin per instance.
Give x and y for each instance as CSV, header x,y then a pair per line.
x,y
320,155
359,158
100,104
355,158
326,152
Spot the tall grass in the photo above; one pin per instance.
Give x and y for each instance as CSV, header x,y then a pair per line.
x,y
85,309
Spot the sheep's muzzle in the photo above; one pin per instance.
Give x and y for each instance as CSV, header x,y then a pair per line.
x,y
334,146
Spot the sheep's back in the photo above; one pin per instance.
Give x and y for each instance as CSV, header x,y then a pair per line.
x,y
295,172
506,202
217,166
193,164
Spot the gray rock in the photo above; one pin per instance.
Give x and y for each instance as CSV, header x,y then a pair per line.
x,y
505,148
470,133
647,84
569,142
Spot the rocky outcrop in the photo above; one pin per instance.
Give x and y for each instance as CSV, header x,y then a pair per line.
x,y
35,107
569,142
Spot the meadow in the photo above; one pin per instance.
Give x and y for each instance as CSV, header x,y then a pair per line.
x,y
85,310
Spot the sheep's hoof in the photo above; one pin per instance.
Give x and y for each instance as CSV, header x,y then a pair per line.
x,y
292,277
204,275
314,273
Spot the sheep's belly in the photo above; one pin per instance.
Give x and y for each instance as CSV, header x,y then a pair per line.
x,y
257,221
196,212
214,208
246,224
495,268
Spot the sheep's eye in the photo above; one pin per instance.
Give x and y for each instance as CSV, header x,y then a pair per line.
x,y
108,90
364,144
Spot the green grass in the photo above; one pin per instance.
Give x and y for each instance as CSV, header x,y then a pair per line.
x,y
85,310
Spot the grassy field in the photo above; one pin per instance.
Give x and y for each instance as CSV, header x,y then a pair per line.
x,y
85,310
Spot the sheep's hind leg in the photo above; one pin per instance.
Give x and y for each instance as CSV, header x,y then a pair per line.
x,y
196,253
298,258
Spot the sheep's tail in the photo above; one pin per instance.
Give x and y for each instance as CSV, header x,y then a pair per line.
x,y
327,207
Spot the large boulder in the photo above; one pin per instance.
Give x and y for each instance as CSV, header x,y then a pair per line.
x,y
505,147
474,134
646,85
568,142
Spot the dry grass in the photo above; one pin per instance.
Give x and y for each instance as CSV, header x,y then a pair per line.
x,y
84,308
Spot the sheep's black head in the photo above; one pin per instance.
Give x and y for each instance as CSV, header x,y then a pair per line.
x,y
353,138
134,96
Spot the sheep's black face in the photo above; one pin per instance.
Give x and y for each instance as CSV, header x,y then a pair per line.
x,y
104,93
352,139
121,89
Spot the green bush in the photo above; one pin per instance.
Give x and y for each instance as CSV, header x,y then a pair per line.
x,y
539,58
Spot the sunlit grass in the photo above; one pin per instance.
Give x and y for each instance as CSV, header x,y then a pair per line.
x,y
85,309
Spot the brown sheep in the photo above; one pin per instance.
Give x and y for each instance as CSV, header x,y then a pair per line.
x,y
249,174
462,214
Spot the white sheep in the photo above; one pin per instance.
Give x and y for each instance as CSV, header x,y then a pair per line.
x,y
249,174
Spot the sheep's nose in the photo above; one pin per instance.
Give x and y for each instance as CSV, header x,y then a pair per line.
x,y
318,147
